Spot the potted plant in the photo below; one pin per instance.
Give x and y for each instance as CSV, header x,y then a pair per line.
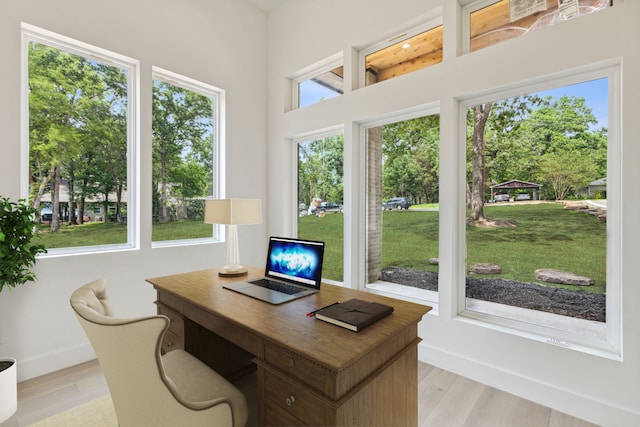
x,y
18,227
8,388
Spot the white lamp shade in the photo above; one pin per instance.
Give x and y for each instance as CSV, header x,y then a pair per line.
x,y
233,211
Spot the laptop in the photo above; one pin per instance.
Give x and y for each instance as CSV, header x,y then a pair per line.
x,y
293,270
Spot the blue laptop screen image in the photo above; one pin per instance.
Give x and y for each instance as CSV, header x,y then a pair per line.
x,y
299,261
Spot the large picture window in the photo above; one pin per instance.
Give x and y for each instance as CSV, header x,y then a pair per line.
x,y
403,168
320,198
185,157
81,142
538,210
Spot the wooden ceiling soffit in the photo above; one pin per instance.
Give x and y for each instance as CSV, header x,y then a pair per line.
x,y
423,50
332,79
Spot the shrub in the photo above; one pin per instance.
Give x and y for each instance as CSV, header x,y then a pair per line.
x,y
17,251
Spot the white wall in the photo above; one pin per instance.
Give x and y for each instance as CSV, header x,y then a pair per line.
x,y
302,32
218,42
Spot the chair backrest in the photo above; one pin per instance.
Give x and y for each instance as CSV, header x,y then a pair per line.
x,y
129,354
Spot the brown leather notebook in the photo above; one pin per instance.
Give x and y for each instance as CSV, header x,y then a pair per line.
x,y
354,314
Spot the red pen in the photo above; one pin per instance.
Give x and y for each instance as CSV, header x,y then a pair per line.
x,y
313,313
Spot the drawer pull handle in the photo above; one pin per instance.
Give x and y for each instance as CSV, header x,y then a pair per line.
x,y
290,400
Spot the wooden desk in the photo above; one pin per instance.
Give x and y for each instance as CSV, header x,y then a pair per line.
x,y
309,372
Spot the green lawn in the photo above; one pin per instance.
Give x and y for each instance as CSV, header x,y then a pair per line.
x,y
328,229
547,236
98,233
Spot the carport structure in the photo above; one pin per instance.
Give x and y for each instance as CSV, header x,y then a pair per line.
x,y
515,184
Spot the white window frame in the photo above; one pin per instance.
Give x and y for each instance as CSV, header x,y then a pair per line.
x,y
31,33
467,10
430,23
311,71
219,103
582,335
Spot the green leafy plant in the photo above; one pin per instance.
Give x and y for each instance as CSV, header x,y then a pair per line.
x,y
18,227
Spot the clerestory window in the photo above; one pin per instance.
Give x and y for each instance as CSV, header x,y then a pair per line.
x,y
404,53
491,22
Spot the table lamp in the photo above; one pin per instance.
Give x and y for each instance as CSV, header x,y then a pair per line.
x,y
233,212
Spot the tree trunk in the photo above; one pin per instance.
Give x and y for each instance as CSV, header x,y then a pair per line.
x,y
480,115
55,201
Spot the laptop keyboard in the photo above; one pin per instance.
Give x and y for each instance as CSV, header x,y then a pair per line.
x,y
277,286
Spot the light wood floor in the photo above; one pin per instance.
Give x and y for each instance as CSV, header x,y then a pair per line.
x,y
445,399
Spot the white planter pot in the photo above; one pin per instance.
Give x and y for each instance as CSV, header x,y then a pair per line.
x,y
8,390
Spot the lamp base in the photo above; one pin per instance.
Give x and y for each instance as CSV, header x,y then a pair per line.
x,y
233,273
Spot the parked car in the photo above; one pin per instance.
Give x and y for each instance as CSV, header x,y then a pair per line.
x,y
523,196
328,207
46,214
397,203
501,198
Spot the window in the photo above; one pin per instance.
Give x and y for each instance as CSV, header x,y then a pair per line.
x,y
318,88
186,135
320,198
319,82
81,142
405,53
402,206
541,211
493,22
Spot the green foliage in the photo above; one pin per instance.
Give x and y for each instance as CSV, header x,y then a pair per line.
x,y
566,171
411,159
321,169
182,148
77,128
17,251
542,140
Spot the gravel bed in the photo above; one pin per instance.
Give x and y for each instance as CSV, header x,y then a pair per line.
x,y
578,304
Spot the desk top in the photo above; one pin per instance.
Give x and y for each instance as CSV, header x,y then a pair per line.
x,y
287,324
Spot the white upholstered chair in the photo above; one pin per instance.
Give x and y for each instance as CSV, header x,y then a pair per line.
x,y
148,389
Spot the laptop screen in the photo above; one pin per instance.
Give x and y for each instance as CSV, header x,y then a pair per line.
x,y
294,260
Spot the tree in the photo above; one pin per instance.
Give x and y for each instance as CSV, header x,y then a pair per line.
x,y
481,114
321,169
77,112
411,151
182,126
566,171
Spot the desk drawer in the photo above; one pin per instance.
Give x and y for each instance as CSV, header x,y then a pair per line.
x,y
304,370
176,320
172,341
288,402
174,337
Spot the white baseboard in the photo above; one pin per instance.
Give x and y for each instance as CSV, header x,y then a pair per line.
x,y
580,406
54,361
